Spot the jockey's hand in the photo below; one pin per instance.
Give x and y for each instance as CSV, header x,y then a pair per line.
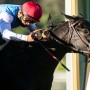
x,y
44,35
29,38
37,34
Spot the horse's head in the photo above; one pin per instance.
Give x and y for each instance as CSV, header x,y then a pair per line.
x,y
74,33
80,24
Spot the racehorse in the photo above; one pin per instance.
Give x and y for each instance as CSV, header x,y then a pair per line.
x,y
30,66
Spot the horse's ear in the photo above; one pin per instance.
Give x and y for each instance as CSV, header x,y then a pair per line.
x,y
49,17
50,22
68,17
73,18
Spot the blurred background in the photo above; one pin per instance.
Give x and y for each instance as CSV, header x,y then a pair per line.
x,y
53,7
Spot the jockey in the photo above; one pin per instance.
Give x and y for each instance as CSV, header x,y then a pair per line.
x,y
12,16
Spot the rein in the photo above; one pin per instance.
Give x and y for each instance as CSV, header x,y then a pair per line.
x,y
53,56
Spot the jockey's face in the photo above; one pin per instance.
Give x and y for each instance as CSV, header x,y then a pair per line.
x,y
25,19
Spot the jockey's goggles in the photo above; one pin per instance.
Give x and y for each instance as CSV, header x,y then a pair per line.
x,y
29,19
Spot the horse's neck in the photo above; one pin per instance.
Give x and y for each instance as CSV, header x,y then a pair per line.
x,y
61,30
63,25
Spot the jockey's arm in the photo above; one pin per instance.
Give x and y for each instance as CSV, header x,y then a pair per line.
x,y
7,34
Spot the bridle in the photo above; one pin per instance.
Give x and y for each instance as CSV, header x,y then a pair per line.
x,y
71,26
68,45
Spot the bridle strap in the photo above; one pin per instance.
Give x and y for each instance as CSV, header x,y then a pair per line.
x,y
71,26
68,45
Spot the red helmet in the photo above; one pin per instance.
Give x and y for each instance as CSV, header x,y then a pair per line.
x,y
33,9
